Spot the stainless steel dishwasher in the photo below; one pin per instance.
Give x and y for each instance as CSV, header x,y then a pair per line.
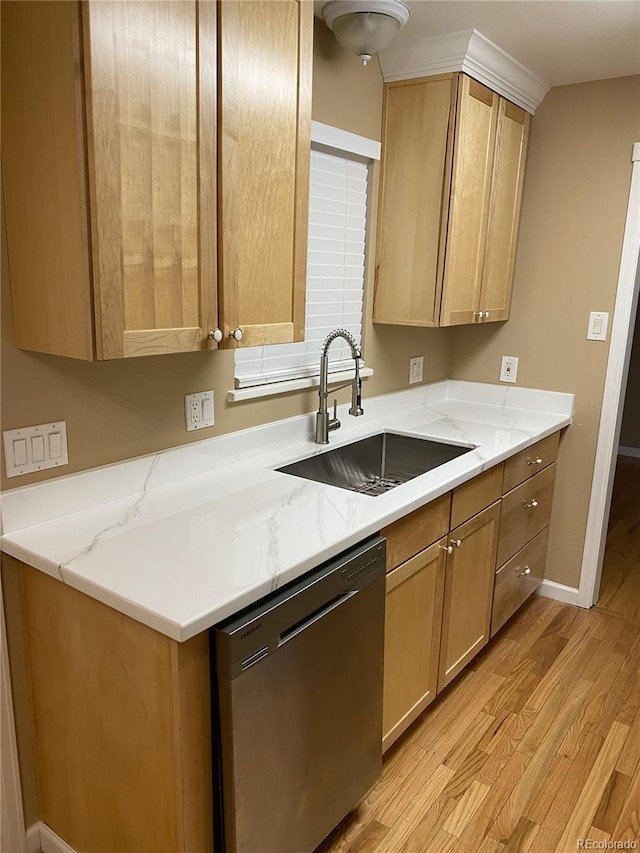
x,y
298,684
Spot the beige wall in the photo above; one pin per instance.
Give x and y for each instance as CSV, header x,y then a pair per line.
x,y
630,433
573,213
119,409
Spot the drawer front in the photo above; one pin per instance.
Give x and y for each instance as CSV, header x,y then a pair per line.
x,y
417,531
518,578
529,462
472,497
525,511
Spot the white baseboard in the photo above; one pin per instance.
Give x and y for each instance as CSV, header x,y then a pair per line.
x,y
628,451
40,837
558,591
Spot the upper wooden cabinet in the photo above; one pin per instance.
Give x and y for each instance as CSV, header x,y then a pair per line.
x,y
156,163
453,170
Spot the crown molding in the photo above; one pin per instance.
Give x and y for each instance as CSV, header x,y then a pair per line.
x,y
471,52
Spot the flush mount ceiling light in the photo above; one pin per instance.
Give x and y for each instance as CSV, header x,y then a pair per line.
x,y
365,26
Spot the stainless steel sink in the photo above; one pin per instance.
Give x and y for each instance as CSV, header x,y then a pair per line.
x,y
376,464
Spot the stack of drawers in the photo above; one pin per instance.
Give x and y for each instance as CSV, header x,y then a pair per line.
x,y
527,489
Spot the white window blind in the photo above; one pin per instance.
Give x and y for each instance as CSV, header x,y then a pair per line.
x,y
335,274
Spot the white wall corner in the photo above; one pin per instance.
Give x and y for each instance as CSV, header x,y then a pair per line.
x,y
558,592
472,52
40,837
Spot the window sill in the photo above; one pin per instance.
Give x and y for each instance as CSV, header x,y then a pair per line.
x,y
239,394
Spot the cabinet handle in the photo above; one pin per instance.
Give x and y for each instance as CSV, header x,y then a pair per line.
x,y
455,542
526,571
447,548
486,315
215,335
478,315
536,461
236,334
530,504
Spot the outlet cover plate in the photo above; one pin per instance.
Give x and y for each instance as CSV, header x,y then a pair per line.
x,y
35,448
198,410
509,368
416,369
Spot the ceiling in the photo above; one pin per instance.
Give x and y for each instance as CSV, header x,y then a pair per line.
x,y
561,41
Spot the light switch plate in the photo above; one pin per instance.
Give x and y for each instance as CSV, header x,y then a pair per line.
x,y
598,322
416,368
198,410
35,448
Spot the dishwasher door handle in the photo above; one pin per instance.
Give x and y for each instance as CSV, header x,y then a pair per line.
x,y
312,618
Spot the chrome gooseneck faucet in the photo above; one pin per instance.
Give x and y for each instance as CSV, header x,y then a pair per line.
x,y
325,424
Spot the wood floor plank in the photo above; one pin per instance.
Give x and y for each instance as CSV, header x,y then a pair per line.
x,y
629,761
480,725
506,746
523,837
466,774
434,817
535,774
478,826
467,806
631,703
597,835
557,800
592,711
489,845
582,816
415,810
612,801
627,827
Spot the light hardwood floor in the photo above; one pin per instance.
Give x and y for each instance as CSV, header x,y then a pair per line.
x,y
533,747
620,585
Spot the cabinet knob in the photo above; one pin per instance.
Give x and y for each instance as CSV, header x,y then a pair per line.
x,y
536,461
236,334
486,315
456,542
447,548
215,335
525,571
530,504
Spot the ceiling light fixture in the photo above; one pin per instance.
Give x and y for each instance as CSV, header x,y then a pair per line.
x,y
365,26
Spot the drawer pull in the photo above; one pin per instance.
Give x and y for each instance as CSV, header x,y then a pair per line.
x,y
536,461
525,571
447,548
530,504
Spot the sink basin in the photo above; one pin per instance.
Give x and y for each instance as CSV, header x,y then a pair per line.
x,y
376,464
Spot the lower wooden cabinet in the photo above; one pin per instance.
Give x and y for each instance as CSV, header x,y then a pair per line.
x,y
468,592
518,578
413,621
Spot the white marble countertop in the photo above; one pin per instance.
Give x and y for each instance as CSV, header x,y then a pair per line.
x,y
184,538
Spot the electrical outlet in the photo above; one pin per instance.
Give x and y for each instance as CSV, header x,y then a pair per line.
x,y
198,410
416,368
509,368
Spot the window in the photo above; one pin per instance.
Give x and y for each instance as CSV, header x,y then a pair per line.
x,y
335,267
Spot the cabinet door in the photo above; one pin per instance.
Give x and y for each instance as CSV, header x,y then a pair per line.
x,y
504,212
477,115
468,592
265,122
414,192
413,619
151,174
